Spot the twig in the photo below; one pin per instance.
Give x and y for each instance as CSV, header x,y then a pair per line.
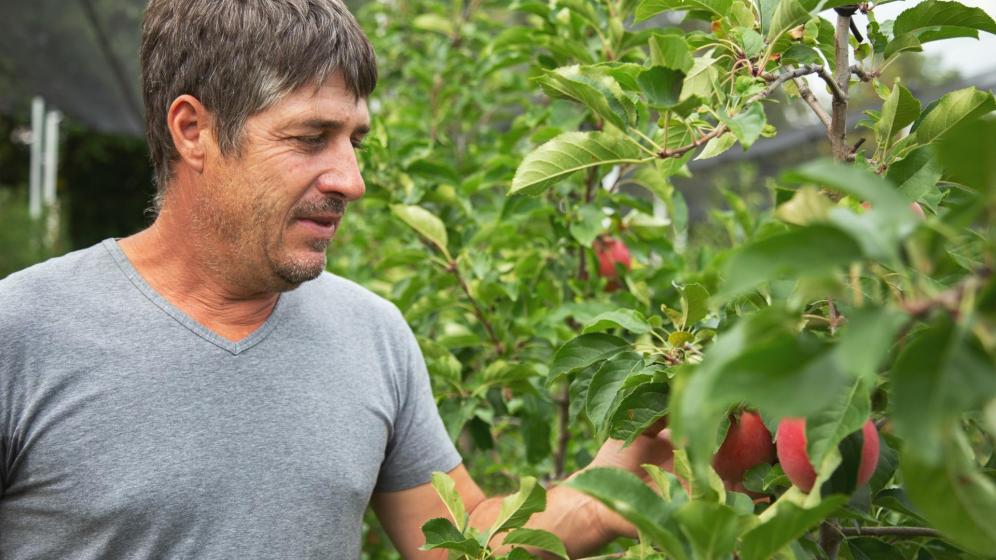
x,y
862,74
478,312
838,89
814,104
904,532
774,83
949,299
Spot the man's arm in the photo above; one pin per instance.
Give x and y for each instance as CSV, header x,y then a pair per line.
x,y
583,523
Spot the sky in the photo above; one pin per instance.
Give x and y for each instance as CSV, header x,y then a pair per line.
x,y
970,57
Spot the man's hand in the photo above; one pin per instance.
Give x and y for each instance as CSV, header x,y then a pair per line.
x,y
582,523
652,447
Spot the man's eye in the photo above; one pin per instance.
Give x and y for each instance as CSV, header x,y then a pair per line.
x,y
358,145
311,141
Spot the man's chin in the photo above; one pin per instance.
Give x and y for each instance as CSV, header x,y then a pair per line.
x,y
296,271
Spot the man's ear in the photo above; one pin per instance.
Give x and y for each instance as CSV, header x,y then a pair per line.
x,y
189,124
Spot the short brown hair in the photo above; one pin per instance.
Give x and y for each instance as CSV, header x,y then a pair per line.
x,y
239,57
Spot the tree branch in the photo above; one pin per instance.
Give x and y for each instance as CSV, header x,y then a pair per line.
x,y
903,532
478,312
838,84
830,538
560,455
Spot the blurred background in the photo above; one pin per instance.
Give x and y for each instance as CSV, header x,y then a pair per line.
x,y
74,167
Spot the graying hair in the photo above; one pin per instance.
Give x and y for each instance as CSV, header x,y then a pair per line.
x,y
239,57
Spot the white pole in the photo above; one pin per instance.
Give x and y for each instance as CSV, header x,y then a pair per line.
x,y
52,120
35,185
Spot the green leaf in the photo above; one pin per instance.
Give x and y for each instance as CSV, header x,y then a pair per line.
x,y
637,411
859,183
918,173
694,304
711,528
846,414
879,231
709,488
670,50
649,8
588,225
446,488
583,351
788,14
747,125
700,78
807,206
813,250
866,340
750,40
951,110
570,152
662,86
966,153
538,538
627,495
519,507
898,112
425,223
902,43
606,384
954,496
668,484
788,524
440,533
941,373
434,23
933,16
625,318
593,88
717,146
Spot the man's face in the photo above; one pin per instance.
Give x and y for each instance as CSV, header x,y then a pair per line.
x,y
276,207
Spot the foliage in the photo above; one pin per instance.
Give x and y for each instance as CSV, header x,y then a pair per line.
x,y
507,138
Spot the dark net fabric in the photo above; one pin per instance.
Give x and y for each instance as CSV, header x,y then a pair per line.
x,y
80,55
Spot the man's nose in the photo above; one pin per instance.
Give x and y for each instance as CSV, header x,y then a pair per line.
x,y
342,175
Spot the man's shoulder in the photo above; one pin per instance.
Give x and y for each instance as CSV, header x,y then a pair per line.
x,y
341,294
49,282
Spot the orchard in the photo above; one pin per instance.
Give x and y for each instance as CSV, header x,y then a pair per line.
x,y
828,344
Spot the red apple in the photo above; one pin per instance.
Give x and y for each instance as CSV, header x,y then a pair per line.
x,y
793,457
611,251
747,444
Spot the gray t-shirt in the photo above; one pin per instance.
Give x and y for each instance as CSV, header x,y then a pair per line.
x,y
127,430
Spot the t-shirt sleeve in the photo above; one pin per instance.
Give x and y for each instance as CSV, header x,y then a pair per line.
x,y
419,444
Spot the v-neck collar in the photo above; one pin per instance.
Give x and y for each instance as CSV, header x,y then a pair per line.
x,y
193,326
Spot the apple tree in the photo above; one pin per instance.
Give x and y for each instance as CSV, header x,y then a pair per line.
x,y
521,213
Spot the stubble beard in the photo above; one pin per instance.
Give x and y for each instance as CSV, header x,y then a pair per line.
x,y
253,257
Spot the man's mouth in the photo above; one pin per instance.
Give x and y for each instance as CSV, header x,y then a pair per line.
x,y
320,225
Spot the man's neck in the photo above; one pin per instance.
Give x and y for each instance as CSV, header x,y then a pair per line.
x,y
188,275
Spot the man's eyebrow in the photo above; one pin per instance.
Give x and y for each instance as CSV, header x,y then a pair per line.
x,y
332,125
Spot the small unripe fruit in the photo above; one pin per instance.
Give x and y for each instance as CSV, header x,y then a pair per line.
x,y
611,251
794,458
747,444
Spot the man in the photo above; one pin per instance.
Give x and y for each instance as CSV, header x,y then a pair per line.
x,y
202,389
